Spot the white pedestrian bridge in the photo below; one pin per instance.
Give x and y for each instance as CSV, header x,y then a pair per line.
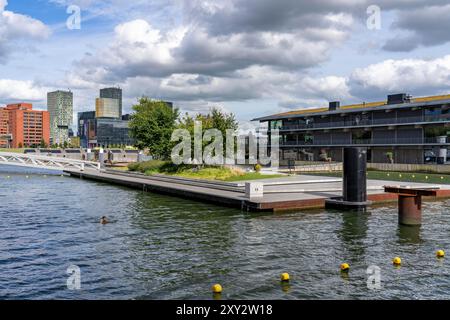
x,y
45,162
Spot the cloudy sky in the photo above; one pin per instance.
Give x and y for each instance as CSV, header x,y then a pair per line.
x,y
251,57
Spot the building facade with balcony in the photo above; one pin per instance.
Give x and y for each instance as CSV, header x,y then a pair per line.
x,y
399,130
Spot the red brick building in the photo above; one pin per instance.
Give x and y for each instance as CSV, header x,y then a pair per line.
x,y
28,127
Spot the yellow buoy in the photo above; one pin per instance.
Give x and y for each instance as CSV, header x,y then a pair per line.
x,y
400,175
413,176
217,288
426,177
397,261
345,267
285,277
440,253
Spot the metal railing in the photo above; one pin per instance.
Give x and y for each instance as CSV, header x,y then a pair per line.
x,y
365,122
45,162
374,141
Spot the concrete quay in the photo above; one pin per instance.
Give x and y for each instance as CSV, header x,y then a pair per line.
x,y
280,194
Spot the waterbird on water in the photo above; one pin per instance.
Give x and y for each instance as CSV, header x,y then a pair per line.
x,y
103,220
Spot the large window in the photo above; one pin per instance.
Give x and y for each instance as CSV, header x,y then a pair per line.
x,y
275,125
435,134
441,111
308,138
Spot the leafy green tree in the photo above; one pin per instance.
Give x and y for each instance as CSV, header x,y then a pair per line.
x,y
152,124
43,144
223,121
215,119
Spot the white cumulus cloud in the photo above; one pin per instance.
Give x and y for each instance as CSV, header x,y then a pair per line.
x,y
18,90
15,27
415,76
249,50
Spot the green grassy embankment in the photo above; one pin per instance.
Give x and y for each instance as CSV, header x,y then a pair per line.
x,y
206,173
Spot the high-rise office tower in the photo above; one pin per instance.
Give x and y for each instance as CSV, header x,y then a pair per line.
x,y
107,108
113,93
60,107
84,119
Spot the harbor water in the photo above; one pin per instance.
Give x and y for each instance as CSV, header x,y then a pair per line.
x,y
160,247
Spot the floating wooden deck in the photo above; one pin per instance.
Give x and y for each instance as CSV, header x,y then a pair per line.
x,y
280,194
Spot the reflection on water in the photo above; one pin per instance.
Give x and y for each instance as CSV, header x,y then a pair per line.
x,y
286,287
409,234
353,231
166,248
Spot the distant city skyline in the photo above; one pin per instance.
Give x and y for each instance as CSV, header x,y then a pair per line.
x,y
266,57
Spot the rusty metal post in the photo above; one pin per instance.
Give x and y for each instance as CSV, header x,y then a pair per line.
x,y
410,210
410,203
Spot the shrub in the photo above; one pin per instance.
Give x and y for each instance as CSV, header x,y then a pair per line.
x,y
153,165
133,166
209,172
171,168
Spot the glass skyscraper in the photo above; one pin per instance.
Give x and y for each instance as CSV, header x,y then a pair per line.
x,y
113,93
84,119
60,107
107,108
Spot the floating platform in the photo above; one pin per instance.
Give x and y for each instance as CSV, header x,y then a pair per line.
x,y
280,194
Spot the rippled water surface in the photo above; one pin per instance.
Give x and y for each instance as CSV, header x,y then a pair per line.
x,y
161,247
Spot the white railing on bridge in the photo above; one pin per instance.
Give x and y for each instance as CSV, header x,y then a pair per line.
x,y
46,162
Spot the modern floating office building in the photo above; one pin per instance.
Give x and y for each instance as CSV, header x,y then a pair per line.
x,y
400,130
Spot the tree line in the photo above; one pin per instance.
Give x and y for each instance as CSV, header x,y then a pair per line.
x,y
153,122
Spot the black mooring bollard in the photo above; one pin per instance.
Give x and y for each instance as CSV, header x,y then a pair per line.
x,y
354,187
355,175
